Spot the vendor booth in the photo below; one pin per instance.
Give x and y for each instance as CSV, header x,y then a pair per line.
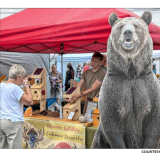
x,y
61,31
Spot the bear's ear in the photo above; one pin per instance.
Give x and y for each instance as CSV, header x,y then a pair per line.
x,y
112,19
147,17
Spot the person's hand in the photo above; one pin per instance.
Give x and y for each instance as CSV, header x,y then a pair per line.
x,y
67,99
74,98
57,81
25,82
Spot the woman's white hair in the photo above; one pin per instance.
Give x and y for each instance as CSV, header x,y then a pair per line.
x,y
16,70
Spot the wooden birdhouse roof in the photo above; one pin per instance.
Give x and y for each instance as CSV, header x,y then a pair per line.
x,y
96,111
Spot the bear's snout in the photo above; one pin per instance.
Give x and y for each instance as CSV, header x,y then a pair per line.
x,y
128,38
128,34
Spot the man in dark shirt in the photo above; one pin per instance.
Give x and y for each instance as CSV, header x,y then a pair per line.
x,y
93,78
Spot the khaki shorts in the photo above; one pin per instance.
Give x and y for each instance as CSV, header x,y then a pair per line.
x,y
10,134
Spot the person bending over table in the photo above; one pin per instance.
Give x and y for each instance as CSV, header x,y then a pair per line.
x,y
93,78
11,107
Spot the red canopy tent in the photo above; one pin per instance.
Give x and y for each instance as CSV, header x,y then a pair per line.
x,y
62,30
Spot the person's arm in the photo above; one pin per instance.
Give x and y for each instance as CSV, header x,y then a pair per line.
x,y
50,78
94,87
27,98
58,81
80,83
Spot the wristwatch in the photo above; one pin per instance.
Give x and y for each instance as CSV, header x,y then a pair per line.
x,y
81,94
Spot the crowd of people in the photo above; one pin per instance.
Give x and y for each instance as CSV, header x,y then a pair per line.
x,y
92,71
13,97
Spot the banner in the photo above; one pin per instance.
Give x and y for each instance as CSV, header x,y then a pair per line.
x,y
39,133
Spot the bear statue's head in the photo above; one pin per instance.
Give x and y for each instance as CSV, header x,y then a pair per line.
x,y
129,35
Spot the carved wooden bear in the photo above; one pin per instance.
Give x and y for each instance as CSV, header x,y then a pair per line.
x,y
129,101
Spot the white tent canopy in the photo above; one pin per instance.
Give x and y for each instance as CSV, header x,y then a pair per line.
x,y
156,54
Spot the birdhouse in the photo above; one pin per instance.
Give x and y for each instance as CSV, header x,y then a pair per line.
x,y
96,117
74,83
2,78
74,107
96,98
31,81
38,89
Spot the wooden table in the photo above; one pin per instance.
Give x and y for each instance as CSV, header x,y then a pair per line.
x,y
87,124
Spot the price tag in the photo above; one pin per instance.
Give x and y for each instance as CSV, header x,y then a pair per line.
x,y
71,115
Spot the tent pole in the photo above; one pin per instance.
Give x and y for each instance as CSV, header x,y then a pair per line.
x,y
62,52
62,68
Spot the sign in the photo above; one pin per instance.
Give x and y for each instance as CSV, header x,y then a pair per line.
x,y
39,133
90,108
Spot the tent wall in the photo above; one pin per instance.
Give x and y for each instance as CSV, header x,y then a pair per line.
x,y
29,61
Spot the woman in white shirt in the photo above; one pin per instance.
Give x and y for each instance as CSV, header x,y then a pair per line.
x,y
12,100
